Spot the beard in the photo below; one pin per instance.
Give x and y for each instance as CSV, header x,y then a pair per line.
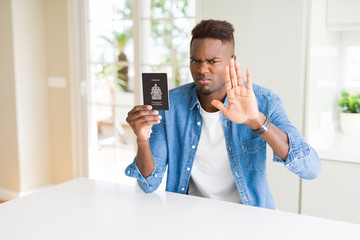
x,y
207,91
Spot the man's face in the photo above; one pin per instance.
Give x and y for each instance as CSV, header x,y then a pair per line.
x,y
208,58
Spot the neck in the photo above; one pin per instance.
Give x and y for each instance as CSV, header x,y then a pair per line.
x,y
205,101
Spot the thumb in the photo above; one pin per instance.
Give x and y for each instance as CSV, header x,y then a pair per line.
x,y
219,105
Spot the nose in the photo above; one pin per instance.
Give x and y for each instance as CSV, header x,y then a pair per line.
x,y
203,67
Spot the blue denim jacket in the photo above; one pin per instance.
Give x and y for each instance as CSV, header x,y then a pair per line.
x,y
174,141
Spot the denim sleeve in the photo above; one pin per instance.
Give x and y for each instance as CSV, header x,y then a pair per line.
x,y
158,148
302,159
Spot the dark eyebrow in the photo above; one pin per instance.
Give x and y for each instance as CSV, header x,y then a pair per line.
x,y
213,58
192,58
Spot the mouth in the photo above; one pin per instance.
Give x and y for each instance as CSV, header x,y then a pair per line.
x,y
203,80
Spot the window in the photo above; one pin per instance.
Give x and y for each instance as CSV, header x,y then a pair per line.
x,y
351,59
116,30
352,64
167,26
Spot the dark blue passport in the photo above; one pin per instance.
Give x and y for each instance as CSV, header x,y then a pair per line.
x,y
155,90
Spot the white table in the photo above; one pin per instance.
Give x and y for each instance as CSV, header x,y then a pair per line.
x,y
88,209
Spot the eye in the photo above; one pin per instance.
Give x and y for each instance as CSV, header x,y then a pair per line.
x,y
194,61
212,61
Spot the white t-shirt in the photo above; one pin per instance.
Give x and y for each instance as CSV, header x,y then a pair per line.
x,y
211,175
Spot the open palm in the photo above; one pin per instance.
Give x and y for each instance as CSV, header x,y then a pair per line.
x,y
243,107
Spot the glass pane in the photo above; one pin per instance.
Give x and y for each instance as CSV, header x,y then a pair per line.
x,y
160,28
100,10
181,48
101,42
105,126
183,8
182,76
110,77
157,48
160,8
102,83
158,69
122,9
183,27
181,40
123,82
123,41
124,102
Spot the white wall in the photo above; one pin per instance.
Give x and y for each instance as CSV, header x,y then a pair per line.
x,y
270,39
31,93
35,125
9,165
59,99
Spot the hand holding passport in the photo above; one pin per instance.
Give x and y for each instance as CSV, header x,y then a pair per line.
x,y
155,90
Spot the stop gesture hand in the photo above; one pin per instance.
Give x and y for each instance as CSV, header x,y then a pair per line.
x,y
243,107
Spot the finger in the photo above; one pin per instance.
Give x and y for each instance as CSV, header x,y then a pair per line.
x,y
150,123
154,122
233,74
139,114
139,108
219,105
144,119
227,78
248,79
239,75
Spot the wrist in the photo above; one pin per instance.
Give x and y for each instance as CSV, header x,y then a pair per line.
x,y
263,128
257,123
140,141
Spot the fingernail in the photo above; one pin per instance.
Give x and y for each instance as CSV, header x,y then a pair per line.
x,y
149,107
156,112
159,117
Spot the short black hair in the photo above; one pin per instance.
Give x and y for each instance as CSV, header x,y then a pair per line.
x,y
216,29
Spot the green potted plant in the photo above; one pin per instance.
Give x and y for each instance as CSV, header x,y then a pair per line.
x,y
350,112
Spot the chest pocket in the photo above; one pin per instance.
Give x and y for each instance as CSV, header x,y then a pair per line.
x,y
255,153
